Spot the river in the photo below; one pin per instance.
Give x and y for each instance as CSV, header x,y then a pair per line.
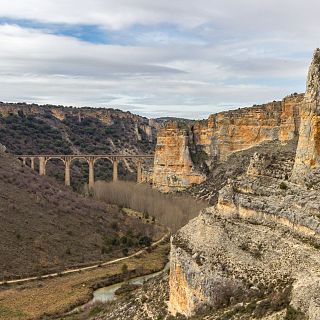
x,y
108,293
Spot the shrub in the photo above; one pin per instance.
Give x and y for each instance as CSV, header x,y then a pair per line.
x,y
293,314
283,186
145,241
124,268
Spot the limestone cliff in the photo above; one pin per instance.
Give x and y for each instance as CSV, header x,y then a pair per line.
x,y
173,166
262,237
255,254
241,129
308,151
185,156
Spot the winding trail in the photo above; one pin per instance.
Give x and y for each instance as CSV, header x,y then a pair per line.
x,y
70,271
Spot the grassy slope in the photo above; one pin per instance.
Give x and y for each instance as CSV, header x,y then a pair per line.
x,y
46,227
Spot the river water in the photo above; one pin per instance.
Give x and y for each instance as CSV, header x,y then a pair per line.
x,y
108,293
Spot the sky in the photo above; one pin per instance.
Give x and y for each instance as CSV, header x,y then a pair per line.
x,y
178,58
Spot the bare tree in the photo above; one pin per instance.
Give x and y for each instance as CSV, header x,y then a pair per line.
x,y
170,210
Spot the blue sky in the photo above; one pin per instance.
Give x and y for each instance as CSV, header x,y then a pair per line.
x,y
168,58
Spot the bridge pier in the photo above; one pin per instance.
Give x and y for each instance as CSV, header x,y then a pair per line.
x,y
91,173
139,171
24,161
42,166
115,170
67,180
32,163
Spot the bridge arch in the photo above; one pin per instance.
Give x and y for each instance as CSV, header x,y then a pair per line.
x,y
54,166
90,159
105,167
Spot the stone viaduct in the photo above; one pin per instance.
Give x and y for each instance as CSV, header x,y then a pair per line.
x,y
90,159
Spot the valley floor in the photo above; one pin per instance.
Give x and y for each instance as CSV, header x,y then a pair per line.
x,y
48,298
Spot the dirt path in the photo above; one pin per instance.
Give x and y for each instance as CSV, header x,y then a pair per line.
x,y
70,271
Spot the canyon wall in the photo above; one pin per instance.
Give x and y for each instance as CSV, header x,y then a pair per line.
x,y
235,130
186,153
261,240
173,167
262,232
307,163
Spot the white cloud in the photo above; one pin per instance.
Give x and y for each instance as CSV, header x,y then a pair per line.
x,y
238,15
221,54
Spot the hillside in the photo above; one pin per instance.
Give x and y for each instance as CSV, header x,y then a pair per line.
x,y
45,227
34,129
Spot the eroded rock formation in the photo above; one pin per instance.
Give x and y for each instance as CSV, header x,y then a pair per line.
x,y
262,233
307,163
173,166
255,254
244,128
185,155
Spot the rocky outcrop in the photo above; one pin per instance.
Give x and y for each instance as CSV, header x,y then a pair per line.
x,y
272,158
173,166
256,252
307,162
235,130
262,232
218,262
184,156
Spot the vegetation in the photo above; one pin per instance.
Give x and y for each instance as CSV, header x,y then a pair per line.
x,y
293,314
42,133
47,228
55,296
283,186
171,211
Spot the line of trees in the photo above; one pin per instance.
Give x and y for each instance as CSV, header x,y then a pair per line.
x,y
170,210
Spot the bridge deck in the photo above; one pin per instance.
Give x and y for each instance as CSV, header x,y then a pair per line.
x,y
86,155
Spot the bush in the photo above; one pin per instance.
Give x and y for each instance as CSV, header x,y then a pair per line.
x,y
283,186
124,268
293,314
125,251
145,241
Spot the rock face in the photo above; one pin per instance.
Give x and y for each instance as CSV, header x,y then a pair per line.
x,y
308,151
185,155
173,166
255,254
252,239
242,129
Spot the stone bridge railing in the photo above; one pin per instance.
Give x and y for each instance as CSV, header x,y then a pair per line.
x,y
90,158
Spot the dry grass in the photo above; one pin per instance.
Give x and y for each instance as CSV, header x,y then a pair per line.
x,y
47,228
54,296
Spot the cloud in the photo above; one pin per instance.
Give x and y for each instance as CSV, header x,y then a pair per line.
x,y
180,58
245,15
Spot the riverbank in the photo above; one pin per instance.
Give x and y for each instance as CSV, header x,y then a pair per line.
x,y
55,296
